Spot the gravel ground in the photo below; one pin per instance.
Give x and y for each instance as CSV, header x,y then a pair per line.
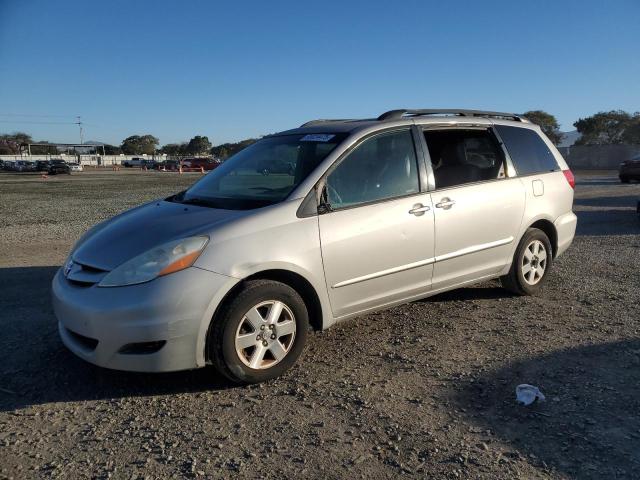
x,y
422,390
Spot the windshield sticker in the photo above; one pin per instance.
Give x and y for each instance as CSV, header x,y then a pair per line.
x,y
317,137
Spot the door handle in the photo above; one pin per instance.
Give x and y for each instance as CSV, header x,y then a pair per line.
x,y
446,203
419,209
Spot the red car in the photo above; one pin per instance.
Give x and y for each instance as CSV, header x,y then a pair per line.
x,y
195,164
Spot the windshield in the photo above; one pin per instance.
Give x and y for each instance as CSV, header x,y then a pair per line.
x,y
262,174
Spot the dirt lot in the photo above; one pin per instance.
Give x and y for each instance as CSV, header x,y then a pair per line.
x,y
423,390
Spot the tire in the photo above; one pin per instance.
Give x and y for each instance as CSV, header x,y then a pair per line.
x,y
522,279
624,179
232,325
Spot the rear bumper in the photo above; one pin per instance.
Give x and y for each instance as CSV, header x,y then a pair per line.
x,y
160,321
566,230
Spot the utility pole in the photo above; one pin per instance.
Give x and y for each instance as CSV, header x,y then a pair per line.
x,y
79,123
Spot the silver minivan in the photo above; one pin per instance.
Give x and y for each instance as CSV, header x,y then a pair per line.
x,y
368,214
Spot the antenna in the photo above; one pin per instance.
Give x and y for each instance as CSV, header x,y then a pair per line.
x,y
79,123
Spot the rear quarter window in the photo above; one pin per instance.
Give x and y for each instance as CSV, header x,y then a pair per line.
x,y
528,152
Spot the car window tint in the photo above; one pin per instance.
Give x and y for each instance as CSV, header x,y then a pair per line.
x,y
381,167
461,156
528,152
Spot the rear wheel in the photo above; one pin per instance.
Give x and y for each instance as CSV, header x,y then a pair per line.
x,y
531,264
260,333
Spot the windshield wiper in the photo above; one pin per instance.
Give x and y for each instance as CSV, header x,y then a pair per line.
x,y
198,201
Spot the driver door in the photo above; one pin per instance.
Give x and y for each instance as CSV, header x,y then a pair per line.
x,y
377,236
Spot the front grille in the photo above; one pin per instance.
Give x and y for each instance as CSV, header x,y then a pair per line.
x,y
83,275
90,269
86,342
80,283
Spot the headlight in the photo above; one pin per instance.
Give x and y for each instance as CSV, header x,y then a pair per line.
x,y
163,260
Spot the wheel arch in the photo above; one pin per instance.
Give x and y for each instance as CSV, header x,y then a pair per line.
x,y
549,229
301,285
295,280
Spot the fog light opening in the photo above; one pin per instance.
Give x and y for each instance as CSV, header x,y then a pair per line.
x,y
142,348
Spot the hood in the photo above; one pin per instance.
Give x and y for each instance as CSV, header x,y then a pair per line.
x,y
140,229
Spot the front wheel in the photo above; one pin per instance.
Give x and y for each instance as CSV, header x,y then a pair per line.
x,y
260,333
531,264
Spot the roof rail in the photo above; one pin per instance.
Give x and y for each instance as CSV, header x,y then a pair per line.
x,y
325,120
397,114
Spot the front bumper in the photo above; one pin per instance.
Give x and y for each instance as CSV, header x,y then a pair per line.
x,y
101,324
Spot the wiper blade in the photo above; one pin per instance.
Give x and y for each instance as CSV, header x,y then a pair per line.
x,y
197,201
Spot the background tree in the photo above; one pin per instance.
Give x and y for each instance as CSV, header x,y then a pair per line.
x,y
604,127
10,143
226,150
199,145
632,132
139,144
112,150
174,149
547,123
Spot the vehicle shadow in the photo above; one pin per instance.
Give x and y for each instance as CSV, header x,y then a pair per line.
x,y
588,427
607,222
484,291
38,369
628,201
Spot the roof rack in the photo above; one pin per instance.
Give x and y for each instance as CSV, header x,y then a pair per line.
x,y
325,120
398,114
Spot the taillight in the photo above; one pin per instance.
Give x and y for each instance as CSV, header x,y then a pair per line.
x,y
570,178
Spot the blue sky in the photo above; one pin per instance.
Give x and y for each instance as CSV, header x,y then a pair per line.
x,y
231,70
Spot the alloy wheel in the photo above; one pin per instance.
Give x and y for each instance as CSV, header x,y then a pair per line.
x,y
265,334
534,262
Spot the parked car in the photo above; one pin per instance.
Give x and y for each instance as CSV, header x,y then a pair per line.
x,y
196,163
25,166
9,165
234,270
169,165
630,170
139,162
76,167
57,166
42,165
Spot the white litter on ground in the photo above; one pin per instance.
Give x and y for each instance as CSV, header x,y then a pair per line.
x,y
527,394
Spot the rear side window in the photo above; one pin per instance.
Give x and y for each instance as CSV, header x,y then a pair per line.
x,y
461,156
528,151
